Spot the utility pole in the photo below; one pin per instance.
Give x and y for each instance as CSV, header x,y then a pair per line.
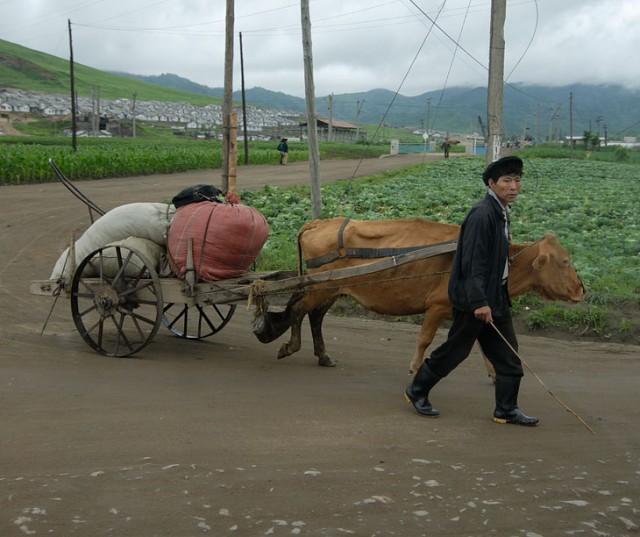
x,y
554,127
496,79
232,172
95,110
558,117
358,109
598,120
74,143
227,105
98,106
571,124
312,123
330,129
244,106
524,131
428,115
133,115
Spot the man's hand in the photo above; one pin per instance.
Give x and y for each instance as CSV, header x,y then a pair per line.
x,y
484,313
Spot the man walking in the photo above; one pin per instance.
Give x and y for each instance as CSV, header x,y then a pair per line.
x,y
479,295
283,147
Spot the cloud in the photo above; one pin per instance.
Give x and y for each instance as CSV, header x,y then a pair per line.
x,y
357,45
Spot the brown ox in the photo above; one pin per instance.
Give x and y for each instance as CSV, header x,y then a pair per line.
x,y
417,287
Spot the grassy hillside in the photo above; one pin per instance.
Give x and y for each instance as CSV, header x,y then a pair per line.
x,y
27,69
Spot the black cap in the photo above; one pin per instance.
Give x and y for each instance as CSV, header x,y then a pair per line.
x,y
500,167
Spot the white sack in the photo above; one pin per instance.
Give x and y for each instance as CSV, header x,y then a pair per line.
x,y
144,220
149,250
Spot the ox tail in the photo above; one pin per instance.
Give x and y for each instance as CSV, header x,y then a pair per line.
x,y
300,267
268,326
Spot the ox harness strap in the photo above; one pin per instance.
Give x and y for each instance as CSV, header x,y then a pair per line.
x,y
366,253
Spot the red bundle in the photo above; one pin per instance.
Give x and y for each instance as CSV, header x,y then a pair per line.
x,y
226,239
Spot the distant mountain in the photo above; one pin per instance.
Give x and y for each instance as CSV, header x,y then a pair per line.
x,y
527,109
259,97
532,110
169,80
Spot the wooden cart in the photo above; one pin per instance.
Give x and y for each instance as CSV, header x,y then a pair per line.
x,y
119,301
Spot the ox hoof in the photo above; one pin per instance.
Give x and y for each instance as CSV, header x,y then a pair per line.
x,y
283,352
326,362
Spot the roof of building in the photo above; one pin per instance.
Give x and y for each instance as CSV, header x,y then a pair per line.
x,y
335,124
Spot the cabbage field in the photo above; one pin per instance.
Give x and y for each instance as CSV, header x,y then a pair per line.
x,y
592,207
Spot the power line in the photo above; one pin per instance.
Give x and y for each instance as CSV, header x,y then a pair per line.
x,y
453,57
51,16
400,86
533,35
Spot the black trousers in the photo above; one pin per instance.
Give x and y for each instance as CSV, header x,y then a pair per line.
x,y
464,332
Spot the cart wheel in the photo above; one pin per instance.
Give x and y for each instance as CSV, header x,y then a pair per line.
x,y
193,321
116,301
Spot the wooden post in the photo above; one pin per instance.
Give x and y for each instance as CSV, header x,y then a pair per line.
x,y
244,106
74,143
312,122
330,130
227,105
570,124
233,153
133,115
496,79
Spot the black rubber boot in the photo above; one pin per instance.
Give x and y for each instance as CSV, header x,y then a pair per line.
x,y
418,391
507,410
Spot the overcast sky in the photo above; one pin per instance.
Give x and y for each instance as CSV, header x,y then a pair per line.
x,y
412,46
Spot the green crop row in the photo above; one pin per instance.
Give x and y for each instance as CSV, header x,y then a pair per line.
x,y
25,159
29,163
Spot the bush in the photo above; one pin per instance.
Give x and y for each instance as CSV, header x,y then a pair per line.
x,y
621,154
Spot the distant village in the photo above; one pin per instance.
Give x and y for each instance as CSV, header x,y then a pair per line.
x,y
104,118
114,117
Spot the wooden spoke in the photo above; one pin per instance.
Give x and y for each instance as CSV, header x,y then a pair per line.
x,y
116,301
193,321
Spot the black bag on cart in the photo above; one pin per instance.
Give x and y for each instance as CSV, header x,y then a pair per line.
x,y
196,194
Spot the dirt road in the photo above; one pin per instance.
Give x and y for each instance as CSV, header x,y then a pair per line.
x,y
218,437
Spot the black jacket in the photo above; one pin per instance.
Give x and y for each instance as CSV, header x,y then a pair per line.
x,y
478,266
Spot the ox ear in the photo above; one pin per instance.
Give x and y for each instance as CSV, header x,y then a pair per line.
x,y
540,261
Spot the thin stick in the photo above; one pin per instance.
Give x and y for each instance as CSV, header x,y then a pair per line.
x,y
540,380
55,300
